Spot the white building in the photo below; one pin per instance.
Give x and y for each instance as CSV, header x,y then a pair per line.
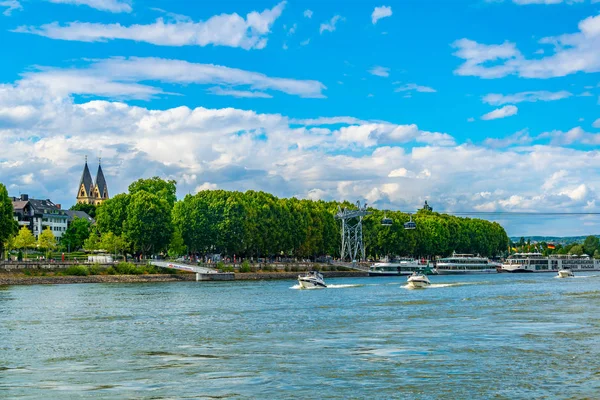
x,y
39,214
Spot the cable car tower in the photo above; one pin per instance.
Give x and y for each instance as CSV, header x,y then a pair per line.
x,y
352,237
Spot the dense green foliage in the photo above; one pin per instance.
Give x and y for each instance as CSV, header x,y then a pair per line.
x,y
149,220
24,239
8,226
89,209
259,224
142,218
75,235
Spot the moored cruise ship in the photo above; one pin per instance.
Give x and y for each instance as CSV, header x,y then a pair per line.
x,y
536,262
404,266
465,264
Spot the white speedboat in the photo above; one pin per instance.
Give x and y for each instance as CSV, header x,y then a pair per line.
x,y
565,273
418,280
311,280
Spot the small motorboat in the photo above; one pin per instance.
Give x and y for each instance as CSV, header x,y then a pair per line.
x,y
565,273
311,280
418,280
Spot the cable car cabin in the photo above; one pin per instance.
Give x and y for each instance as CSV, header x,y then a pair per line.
x,y
386,222
410,224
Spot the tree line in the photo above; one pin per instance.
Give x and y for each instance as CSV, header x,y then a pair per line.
x,y
590,246
149,219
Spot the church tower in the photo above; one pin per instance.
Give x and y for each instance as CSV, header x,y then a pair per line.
x,y
91,192
100,188
85,194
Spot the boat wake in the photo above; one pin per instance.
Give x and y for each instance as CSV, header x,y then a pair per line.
x,y
445,285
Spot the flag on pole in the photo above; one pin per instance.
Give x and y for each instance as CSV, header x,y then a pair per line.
x,y
551,246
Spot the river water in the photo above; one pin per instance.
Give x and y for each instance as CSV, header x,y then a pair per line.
x,y
501,336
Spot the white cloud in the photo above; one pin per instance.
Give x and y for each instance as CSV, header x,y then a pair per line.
x,y
219,91
573,136
503,112
414,87
527,2
380,71
521,138
229,30
11,5
496,99
292,29
121,76
308,13
596,123
470,119
305,42
206,186
573,52
380,12
330,25
342,158
114,6
554,179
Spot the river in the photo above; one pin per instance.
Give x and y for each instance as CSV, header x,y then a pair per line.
x,y
501,336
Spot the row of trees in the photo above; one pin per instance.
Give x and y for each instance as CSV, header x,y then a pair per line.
x,y
148,219
25,240
590,247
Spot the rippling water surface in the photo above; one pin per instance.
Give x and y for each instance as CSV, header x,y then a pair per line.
x,y
501,336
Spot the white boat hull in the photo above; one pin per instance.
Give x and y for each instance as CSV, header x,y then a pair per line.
x,y
310,284
418,281
465,271
565,274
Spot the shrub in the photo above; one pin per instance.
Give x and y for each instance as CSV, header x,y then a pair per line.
x,y
77,270
245,267
95,269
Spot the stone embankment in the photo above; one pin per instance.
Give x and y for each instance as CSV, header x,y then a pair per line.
x,y
20,279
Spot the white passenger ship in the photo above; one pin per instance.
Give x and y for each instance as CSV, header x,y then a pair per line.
x,y
404,266
465,264
536,262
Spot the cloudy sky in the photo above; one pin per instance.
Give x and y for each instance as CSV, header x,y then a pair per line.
x,y
473,105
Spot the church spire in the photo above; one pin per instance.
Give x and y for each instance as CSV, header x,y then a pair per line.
x,y
101,187
86,186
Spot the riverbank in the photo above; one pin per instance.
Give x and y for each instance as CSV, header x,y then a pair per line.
x,y
22,279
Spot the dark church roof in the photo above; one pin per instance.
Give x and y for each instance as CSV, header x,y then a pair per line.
x,y
101,182
86,180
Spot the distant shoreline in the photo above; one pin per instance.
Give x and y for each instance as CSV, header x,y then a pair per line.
x,y
21,279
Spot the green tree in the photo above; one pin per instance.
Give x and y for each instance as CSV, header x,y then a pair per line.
x,y
163,189
8,225
177,246
590,245
89,209
24,239
576,250
46,241
93,240
112,243
148,225
112,213
76,234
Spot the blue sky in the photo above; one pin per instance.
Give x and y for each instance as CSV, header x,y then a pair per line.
x,y
475,105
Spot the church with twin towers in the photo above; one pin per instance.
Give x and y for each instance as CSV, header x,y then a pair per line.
x,y
92,192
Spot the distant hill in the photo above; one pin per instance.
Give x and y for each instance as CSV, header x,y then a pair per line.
x,y
553,239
